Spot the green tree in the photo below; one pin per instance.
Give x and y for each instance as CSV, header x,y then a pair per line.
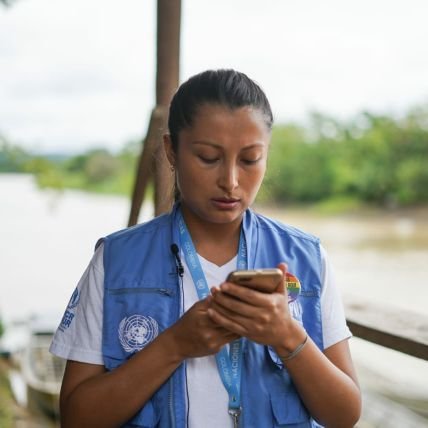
x,y
99,166
12,157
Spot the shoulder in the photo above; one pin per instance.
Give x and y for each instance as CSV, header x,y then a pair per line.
x,y
268,224
147,228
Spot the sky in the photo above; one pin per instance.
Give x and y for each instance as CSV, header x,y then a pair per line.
x,y
78,74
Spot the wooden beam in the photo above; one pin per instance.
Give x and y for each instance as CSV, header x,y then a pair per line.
x,y
397,329
146,163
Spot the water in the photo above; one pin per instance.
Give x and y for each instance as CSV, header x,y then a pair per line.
x,y
47,239
380,257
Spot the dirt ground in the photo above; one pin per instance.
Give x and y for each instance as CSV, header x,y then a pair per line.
x,y
11,414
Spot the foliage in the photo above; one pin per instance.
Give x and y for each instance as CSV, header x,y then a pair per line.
x,y
373,159
96,170
12,158
370,159
6,2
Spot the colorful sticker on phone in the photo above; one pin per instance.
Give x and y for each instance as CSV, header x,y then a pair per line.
x,y
293,287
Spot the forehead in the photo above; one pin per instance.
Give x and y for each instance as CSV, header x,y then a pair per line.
x,y
214,121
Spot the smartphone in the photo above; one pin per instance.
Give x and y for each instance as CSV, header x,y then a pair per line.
x,y
265,280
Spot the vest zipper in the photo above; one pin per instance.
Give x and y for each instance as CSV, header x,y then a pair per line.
x,y
171,380
171,401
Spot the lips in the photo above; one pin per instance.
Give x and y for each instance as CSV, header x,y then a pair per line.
x,y
226,200
225,203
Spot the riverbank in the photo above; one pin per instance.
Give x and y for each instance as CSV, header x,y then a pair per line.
x,y
6,398
347,208
13,415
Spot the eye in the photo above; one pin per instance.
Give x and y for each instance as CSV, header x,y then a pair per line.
x,y
207,160
251,161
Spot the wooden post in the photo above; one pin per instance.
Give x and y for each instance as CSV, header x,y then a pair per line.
x,y
153,162
168,63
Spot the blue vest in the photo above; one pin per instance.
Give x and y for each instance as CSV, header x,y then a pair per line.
x,y
143,296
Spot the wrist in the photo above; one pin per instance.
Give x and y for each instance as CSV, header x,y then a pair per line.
x,y
295,337
172,346
296,351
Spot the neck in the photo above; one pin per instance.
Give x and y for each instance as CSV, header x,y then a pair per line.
x,y
216,242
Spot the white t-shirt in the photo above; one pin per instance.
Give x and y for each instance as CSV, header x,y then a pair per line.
x,y
79,336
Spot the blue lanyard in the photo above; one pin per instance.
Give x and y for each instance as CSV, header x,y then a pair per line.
x,y
229,364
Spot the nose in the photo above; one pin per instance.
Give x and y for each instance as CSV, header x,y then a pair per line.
x,y
228,179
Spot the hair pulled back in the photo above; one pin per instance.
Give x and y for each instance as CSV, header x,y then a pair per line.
x,y
227,88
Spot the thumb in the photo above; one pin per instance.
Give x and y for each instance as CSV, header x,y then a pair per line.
x,y
204,304
281,286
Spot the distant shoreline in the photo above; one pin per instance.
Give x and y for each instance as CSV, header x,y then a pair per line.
x,y
343,207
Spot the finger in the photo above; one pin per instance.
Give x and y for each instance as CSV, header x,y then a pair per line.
x,y
232,306
283,267
230,337
219,331
208,324
216,290
202,305
224,312
245,294
232,325
281,286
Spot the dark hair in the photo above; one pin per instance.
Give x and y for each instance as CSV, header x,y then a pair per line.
x,y
228,88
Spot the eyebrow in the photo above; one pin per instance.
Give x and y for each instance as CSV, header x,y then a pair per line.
x,y
218,146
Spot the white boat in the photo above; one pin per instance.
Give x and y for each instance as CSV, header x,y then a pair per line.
x,y
42,372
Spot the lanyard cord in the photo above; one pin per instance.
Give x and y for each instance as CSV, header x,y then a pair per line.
x,y
229,364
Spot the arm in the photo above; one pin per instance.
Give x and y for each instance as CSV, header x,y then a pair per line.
x,y
91,397
325,381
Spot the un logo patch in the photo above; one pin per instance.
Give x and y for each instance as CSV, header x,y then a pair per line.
x,y
136,331
74,301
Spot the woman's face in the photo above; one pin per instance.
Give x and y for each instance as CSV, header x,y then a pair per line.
x,y
220,162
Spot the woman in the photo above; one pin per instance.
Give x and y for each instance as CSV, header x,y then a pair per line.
x,y
148,343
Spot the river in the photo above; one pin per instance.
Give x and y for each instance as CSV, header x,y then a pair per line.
x,y
47,238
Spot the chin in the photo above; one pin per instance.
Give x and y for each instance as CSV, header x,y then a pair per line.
x,y
224,217
211,215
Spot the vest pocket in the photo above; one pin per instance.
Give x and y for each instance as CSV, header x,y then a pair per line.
x,y
133,317
288,410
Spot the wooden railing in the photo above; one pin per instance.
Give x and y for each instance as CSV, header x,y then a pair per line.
x,y
397,329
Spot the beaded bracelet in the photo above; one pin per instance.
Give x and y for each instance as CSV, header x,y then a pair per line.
x,y
295,352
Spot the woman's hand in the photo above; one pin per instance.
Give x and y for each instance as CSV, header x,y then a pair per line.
x,y
326,382
261,317
195,334
126,389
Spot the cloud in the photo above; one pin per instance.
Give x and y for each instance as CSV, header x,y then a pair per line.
x,y
72,73
76,72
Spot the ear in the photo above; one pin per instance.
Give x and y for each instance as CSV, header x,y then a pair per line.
x,y
167,144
